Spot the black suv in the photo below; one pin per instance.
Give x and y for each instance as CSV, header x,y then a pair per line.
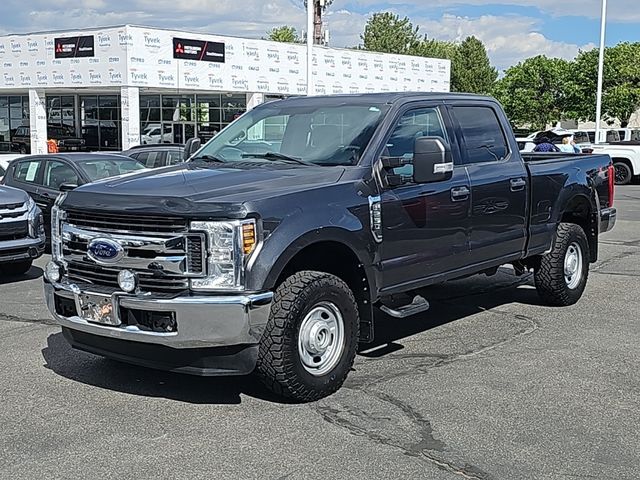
x,y
157,154
65,136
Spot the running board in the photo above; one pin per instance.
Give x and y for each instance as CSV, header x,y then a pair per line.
x,y
418,305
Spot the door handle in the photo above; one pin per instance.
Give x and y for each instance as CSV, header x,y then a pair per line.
x,y
518,184
459,194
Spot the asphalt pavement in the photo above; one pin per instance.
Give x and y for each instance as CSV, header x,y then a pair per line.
x,y
488,384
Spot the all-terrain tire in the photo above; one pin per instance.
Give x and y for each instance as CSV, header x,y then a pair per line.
x,y
280,365
555,286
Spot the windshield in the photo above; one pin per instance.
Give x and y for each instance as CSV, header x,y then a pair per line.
x,y
320,134
103,168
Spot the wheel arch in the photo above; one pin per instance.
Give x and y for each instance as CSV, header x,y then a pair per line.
x,y
583,211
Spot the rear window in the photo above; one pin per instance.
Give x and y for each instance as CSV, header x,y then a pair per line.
x,y
483,136
104,168
27,171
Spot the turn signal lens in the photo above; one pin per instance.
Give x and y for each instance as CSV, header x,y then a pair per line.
x,y
248,237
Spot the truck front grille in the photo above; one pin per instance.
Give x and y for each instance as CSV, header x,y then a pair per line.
x,y
108,277
14,230
164,255
113,222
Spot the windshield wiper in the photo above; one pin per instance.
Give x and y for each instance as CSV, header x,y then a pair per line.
x,y
274,156
208,158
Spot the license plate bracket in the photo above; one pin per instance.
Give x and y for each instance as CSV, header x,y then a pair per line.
x,y
96,308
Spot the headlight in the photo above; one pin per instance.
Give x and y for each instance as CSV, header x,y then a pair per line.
x,y
228,245
33,218
57,215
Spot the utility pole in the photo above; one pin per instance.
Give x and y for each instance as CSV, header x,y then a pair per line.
x,y
603,26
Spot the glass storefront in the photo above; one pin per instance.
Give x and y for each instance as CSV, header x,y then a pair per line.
x,y
100,121
14,113
176,118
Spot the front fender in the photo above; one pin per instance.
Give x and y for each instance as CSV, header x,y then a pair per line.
x,y
301,229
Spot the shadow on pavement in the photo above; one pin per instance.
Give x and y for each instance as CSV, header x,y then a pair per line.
x,y
121,377
32,274
449,302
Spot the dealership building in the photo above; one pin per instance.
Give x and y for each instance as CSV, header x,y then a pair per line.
x,y
117,87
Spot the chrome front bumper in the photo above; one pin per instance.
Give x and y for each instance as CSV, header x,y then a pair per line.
x,y
202,321
23,249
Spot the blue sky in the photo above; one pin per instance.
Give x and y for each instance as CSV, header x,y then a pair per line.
x,y
511,29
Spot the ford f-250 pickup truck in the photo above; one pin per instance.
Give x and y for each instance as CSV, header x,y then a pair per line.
x,y
273,248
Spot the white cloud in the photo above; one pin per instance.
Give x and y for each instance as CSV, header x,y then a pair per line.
x,y
508,39
618,10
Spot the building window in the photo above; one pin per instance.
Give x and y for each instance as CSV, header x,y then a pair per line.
x,y
101,122
176,118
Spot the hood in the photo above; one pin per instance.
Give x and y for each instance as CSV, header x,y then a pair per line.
x,y
9,195
199,188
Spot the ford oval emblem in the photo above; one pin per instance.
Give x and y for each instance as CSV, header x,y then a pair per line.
x,y
105,250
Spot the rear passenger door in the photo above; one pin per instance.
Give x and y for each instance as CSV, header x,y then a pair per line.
x,y
499,184
26,175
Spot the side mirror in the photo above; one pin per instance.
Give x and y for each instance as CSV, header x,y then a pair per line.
x,y
67,186
191,147
432,161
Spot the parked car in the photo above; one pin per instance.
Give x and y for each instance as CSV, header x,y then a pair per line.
x,y
277,260
65,136
156,133
626,159
43,177
22,236
157,155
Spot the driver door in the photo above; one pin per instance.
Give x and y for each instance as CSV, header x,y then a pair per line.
x,y
425,227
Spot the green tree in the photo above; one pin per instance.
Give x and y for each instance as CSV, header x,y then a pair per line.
x,y
534,92
284,34
388,33
621,83
472,71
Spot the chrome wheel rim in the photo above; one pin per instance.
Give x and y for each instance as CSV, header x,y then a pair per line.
x,y
321,339
573,265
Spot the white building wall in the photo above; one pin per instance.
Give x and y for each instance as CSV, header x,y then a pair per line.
x,y
38,121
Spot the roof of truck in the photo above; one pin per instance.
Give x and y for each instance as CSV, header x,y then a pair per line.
x,y
381,98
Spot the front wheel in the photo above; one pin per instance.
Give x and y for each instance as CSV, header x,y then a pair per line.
x,y
623,173
561,275
310,340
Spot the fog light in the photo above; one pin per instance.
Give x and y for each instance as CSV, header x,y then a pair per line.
x,y
127,281
52,271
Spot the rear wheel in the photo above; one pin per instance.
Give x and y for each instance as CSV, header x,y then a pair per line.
x,y
311,338
561,275
623,173
17,268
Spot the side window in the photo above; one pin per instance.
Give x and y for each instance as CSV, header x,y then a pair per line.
x,y
56,173
422,122
27,172
592,137
612,136
148,159
174,157
484,139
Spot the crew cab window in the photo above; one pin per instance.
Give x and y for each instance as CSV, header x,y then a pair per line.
x,y
422,122
581,137
27,171
56,173
150,159
612,136
173,157
483,137
22,132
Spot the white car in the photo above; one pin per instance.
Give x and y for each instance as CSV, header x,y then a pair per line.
x,y
626,160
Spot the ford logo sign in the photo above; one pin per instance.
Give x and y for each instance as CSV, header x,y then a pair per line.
x,y
105,250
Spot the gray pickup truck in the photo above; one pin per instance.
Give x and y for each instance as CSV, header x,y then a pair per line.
x,y
22,236
273,249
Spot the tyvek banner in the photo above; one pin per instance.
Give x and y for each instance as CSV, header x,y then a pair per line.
x,y
147,57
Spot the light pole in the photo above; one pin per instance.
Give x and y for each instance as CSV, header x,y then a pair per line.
x,y
310,11
603,27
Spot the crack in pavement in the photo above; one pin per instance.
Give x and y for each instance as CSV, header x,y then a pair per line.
x,y
12,318
620,256
389,421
